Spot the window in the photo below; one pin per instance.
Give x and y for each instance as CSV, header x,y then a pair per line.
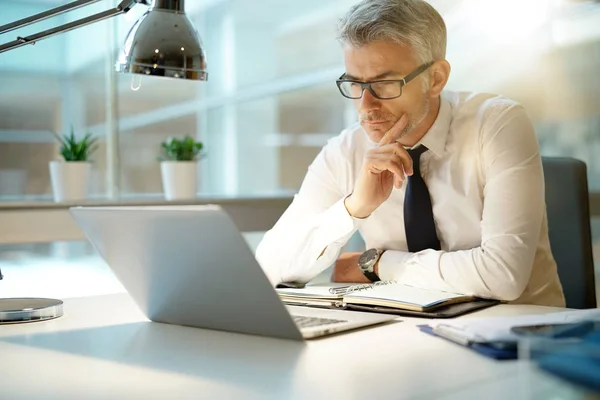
x,y
271,100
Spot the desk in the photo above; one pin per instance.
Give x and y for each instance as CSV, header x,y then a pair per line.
x,y
104,348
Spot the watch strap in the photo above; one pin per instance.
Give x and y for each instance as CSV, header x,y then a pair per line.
x,y
372,276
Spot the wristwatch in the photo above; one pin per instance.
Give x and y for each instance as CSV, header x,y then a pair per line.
x,y
367,261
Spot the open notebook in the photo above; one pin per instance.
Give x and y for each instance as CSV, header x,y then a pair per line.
x,y
389,294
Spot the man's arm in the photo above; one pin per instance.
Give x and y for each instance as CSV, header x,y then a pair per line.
x,y
512,219
310,234
346,269
322,218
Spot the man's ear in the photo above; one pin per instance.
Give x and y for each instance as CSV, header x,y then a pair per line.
x,y
440,72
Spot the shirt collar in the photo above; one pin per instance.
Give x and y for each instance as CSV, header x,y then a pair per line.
x,y
435,138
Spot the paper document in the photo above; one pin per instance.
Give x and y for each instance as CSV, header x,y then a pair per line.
x,y
498,329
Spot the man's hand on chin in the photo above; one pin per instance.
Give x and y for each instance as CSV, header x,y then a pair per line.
x,y
346,269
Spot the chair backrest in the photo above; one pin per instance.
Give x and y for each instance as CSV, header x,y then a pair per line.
x,y
567,203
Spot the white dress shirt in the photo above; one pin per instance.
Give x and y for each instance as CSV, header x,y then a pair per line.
x,y
485,178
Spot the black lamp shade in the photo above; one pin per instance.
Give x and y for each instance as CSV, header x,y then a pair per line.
x,y
163,42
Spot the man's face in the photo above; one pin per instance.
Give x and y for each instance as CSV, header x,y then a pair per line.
x,y
386,61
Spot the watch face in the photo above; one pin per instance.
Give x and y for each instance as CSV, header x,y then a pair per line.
x,y
367,259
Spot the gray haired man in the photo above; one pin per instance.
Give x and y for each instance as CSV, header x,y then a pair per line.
x,y
446,188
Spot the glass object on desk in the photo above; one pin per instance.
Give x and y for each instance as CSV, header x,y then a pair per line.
x,y
19,310
561,361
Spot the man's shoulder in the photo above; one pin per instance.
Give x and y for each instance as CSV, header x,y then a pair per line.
x,y
480,105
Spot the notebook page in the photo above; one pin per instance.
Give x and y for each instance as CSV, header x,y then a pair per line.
x,y
331,290
405,294
316,291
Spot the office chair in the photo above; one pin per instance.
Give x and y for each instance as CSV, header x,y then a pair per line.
x,y
567,204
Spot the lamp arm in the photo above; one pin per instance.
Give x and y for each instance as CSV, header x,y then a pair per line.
x,y
45,15
122,8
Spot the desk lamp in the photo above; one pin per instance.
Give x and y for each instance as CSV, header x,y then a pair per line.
x,y
163,42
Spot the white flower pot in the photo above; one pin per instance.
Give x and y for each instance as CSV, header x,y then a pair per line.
x,y
180,179
70,180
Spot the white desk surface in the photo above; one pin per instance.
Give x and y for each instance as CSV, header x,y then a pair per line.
x,y
104,348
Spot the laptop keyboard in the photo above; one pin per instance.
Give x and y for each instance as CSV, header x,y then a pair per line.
x,y
307,322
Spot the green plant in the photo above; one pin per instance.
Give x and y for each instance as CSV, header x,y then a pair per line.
x,y
186,149
73,149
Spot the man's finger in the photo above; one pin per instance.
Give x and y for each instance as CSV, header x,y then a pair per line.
x,y
395,131
387,162
398,150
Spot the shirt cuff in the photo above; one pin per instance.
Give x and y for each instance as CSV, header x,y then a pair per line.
x,y
392,263
338,224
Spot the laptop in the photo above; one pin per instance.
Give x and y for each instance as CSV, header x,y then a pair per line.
x,y
190,266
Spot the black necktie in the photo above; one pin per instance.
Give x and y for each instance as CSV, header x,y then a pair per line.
x,y
418,215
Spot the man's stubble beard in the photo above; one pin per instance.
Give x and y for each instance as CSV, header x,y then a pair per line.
x,y
416,121
412,123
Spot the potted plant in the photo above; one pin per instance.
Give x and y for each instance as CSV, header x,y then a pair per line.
x,y
70,176
179,167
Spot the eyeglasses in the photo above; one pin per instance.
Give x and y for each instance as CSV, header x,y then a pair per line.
x,y
383,90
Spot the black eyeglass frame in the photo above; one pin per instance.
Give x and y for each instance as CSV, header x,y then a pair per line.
x,y
367,85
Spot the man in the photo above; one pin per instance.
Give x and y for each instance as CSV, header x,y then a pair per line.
x,y
445,188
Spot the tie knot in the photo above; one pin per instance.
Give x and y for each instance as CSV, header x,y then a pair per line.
x,y
415,153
